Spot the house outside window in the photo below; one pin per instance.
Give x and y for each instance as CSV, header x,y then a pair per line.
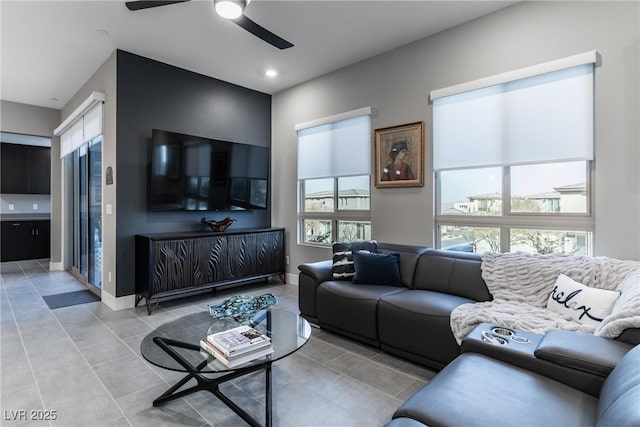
x,y
513,158
334,169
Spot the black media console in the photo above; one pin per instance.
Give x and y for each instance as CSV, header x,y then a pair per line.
x,y
170,264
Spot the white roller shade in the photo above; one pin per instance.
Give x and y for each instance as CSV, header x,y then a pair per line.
x,y
340,148
92,122
71,139
543,118
82,125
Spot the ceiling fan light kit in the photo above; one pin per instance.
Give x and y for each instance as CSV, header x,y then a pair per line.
x,y
229,9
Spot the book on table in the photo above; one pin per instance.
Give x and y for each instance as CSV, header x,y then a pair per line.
x,y
239,340
238,345
234,360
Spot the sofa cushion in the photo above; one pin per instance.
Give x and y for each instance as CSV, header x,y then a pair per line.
x,y
476,388
583,304
343,268
409,256
351,308
417,322
377,269
450,272
583,352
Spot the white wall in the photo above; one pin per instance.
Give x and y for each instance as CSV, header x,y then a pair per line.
x,y
397,83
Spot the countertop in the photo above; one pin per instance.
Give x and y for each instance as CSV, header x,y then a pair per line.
x,y
25,217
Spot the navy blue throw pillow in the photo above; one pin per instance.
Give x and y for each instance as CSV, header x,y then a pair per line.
x,y
377,269
343,257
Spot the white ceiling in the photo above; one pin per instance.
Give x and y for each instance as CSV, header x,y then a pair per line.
x,y
50,48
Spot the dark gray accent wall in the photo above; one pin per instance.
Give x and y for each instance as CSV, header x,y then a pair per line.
x,y
150,95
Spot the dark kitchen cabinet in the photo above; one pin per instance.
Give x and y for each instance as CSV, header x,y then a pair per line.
x,y
25,169
39,170
25,240
15,177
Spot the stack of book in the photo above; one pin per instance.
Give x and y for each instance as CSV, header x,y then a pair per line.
x,y
236,346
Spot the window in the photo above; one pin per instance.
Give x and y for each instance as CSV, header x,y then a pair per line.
x,y
513,157
334,169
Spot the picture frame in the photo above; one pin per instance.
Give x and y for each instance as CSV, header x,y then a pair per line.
x,y
398,156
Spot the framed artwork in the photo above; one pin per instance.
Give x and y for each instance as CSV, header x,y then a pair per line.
x,y
398,156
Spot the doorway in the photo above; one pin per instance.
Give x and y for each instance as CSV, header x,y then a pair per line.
x,y
87,214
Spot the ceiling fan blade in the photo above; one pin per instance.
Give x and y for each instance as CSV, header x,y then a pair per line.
x,y
262,33
141,4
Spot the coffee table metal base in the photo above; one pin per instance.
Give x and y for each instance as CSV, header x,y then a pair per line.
x,y
211,384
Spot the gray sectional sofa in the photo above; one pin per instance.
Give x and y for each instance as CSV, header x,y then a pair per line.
x,y
557,378
411,320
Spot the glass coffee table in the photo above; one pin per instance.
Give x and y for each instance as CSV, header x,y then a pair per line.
x,y
176,346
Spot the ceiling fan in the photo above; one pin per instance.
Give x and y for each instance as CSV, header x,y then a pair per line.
x,y
230,9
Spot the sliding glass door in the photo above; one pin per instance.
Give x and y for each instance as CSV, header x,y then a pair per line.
x,y
87,213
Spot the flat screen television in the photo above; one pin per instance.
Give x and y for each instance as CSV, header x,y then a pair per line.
x,y
190,173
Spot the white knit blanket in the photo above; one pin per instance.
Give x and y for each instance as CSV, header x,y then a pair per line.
x,y
521,283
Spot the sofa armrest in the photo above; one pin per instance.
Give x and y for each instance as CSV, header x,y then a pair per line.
x,y
319,271
584,352
311,276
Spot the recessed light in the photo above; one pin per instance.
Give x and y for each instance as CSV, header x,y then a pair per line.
x,y
102,32
271,73
54,99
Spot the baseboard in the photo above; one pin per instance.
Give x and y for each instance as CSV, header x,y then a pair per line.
x,y
115,303
56,266
129,301
291,279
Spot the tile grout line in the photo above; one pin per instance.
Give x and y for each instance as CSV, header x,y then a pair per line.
x,y
371,360
92,367
24,274
349,377
33,375
83,358
139,356
346,375
289,300
415,378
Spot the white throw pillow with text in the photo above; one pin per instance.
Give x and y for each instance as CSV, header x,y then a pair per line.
x,y
583,304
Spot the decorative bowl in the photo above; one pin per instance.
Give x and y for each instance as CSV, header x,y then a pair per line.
x,y
241,307
218,226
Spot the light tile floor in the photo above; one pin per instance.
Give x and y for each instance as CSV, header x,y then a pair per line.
x,y
84,363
